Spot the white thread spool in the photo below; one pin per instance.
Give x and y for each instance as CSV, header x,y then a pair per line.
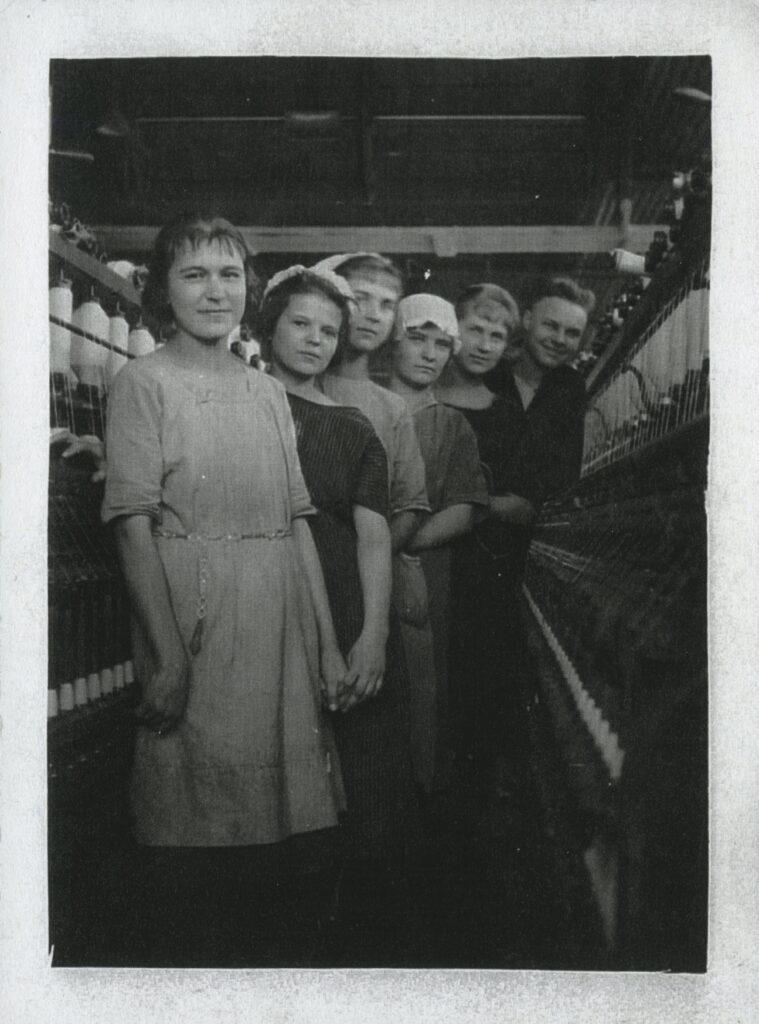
x,y
106,682
128,673
118,677
123,268
93,686
628,262
616,756
52,703
693,351
626,405
141,341
80,692
679,344
118,334
604,731
250,347
595,717
66,697
658,353
698,321
615,395
679,180
88,359
692,330
62,306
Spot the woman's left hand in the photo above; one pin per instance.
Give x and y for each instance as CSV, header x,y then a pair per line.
x,y
333,672
90,445
366,670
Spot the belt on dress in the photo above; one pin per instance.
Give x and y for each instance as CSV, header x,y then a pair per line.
x,y
159,531
202,540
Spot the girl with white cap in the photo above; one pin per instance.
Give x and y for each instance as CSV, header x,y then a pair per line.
x,y
426,336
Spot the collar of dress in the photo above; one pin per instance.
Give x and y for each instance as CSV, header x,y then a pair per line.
x,y
429,400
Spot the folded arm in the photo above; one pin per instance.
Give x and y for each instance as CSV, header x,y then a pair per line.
x,y
511,508
442,527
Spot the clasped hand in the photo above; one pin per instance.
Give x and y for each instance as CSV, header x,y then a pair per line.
x,y
345,686
366,671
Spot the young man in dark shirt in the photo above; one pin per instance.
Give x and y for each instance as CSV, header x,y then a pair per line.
x,y
530,451
547,398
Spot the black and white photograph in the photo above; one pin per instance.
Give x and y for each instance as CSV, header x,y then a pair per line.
x,y
378,395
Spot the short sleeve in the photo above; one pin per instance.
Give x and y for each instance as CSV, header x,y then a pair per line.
x,y
408,491
133,448
464,480
371,490
300,499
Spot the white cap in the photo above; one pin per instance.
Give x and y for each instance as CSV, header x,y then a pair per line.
x,y
337,282
421,309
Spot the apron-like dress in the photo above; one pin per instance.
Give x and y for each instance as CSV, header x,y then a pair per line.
x,y
213,461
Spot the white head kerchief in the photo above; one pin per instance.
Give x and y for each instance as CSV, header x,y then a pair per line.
x,y
418,310
337,282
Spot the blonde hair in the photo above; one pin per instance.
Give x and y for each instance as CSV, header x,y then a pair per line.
x,y
370,264
476,294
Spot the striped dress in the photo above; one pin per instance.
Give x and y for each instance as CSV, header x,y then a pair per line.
x,y
344,464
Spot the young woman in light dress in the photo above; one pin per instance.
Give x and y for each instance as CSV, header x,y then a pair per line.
x,y
234,646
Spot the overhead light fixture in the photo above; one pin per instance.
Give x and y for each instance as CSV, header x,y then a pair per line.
x,y
73,154
312,118
311,123
297,120
692,95
504,118
114,126
321,118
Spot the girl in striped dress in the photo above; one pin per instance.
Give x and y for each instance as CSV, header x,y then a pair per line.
x,y
303,320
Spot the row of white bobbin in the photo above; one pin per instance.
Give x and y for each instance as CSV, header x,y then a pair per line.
x,y
92,364
604,738
89,689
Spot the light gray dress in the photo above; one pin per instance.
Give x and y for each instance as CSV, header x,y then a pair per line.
x,y
212,460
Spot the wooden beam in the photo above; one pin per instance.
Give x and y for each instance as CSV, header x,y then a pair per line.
x,y
447,241
92,271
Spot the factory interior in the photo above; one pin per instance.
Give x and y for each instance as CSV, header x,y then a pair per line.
x,y
590,849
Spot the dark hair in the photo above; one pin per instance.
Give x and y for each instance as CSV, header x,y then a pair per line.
x,y
305,282
193,230
372,265
486,292
561,288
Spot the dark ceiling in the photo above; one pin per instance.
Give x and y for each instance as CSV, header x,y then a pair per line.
x,y
344,142
406,142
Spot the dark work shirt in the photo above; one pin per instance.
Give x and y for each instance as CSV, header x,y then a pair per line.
x,y
532,453
548,442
